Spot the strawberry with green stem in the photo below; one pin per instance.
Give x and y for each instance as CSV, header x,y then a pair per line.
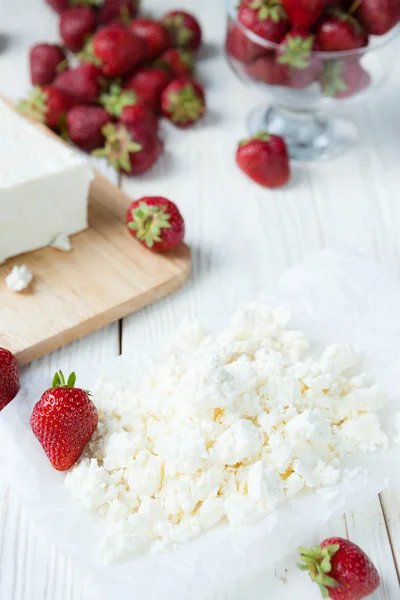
x,y
296,53
126,106
183,102
179,63
265,18
343,78
48,105
154,35
149,83
156,223
129,147
341,569
340,31
264,158
64,421
184,29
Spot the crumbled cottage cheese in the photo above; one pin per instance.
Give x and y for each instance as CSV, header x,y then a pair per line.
x,y
62,242
223,428
19,278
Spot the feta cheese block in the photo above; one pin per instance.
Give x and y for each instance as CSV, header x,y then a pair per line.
x,y
44,187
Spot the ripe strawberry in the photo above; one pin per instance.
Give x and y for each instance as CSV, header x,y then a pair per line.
x,y
63,421
184,29
9,377
377,16
84,83
76,26
149,83
118,10
340,31
179,63
115,49
85,124
265,18
154,36
241,47
130,148
295,51
45,62
343,78
183,102
341,569
267,70
156,223
264,158
47,105
126,106
303,13
61,5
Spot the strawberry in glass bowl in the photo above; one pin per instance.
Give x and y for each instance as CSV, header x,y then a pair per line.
x,y
311,58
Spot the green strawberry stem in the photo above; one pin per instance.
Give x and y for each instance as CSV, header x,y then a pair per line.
x,y
264,136
332,80
297,51
182,34
269,9
186,106
355,6
148,223
118,146
317,561
86,2
59,380
35,106
116,99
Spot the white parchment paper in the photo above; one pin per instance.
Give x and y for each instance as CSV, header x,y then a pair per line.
x,y
334,297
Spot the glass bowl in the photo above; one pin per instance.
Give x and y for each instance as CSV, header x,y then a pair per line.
x,y
306,97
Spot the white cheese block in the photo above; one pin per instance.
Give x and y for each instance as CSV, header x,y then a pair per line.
x,y
44,187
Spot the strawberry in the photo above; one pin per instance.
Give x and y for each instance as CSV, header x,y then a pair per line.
x,y
45,60
84,83
9,377
343,78
63,421
129,147
85,124
179,63
114,49
149,83
76,26
117,10
303,13
341,569
264,158
183,102
265,18
340,31
47,105
154,36
295,51
184,29
156,223
239,46
61,5
126,106
267,70
377,16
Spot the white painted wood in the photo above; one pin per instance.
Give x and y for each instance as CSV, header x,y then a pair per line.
x,y
243,238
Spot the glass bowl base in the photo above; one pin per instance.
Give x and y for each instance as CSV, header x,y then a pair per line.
x,y
309,136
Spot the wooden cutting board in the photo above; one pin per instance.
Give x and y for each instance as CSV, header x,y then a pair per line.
x,y
107,276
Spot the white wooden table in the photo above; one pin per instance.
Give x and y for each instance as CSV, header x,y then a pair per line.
x,y
242,239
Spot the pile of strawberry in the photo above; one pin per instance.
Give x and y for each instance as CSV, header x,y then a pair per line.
x,y
301,27
114,75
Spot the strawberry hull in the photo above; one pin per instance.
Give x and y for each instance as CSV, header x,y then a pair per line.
x,y
342,79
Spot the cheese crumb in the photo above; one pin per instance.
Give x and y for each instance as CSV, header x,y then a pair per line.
x,y
62,242
19,278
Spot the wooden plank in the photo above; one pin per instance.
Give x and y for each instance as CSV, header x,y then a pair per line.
x,y
390,500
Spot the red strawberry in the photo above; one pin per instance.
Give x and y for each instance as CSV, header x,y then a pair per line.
x,y
179,63
155,36
184,29
183,102
45,61
76,26
85,124
267,70
48,105
377,16
61,5
340,31
118,10
126,106
295,51
130,148
265,18
9,377
341,569
304,13
264,158
343,78
84,83
63,421
149,83
156,223
116,50
239,46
